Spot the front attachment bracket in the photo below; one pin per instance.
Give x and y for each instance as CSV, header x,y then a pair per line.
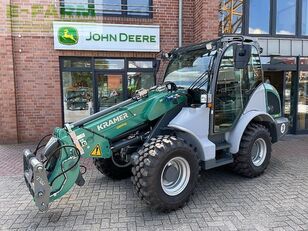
x,y
36,180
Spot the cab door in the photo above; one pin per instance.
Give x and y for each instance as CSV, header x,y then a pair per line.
x,y
234,86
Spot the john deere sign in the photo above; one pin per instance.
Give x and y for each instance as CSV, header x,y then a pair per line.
x,y
106,37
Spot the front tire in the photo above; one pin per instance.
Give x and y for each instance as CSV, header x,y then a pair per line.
x,y
166,172
254,153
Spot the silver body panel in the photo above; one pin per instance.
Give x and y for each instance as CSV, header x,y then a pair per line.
x,y
257,101
255,107
195,122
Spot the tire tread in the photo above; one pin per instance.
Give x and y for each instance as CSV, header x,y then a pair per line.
x,y
241,164
144,169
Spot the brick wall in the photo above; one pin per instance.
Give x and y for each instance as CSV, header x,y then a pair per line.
x,y
188,22
206,21
8,130
36,63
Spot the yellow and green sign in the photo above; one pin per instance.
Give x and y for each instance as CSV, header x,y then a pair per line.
x,y
68,35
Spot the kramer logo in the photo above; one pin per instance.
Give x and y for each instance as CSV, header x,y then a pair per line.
x,y
112,121
68,35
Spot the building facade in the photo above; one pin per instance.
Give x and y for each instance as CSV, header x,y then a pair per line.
x,y
281,27
64,60
43,86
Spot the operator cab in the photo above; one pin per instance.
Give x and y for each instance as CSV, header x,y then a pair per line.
x,y
238,76
221,73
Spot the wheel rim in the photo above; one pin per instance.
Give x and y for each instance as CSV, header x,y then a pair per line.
x,y
175,176
258,152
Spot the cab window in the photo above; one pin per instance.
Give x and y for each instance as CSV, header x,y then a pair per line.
x,y
234,88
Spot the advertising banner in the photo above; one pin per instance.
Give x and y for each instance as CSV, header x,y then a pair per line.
x,y
106,37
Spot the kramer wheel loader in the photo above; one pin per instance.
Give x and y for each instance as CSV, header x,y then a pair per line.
x,y
213,109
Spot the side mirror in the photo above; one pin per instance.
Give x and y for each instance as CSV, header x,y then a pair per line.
x,y
165,56
242,54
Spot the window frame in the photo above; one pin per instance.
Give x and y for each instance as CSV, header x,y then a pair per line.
x,y
297,19
247,17
243,21
215,82
213,88
94,72
273,20
123,12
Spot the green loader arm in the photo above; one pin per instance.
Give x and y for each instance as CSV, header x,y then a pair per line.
x,y
55,172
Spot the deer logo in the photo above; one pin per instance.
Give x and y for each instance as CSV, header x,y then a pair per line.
x,y
68,35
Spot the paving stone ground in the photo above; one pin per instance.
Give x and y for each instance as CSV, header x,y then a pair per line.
x,y
278,200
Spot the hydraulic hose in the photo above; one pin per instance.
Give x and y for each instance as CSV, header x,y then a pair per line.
x,y
65,171
39,146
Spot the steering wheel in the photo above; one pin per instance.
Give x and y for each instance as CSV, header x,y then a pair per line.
x,y
171,86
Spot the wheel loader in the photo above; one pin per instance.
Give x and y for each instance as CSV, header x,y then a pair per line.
x,y
213,109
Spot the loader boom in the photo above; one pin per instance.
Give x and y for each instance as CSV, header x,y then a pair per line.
x,y
97,137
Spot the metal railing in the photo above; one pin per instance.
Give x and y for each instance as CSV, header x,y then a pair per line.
x,y
104,8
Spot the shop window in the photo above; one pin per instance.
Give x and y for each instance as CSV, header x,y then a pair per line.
x,y
283,60
94,84
259,16
138,80
77,95
110,90
277,60
140,75
302,108
231,12
289,97
140,64
109,64
304,61
77,63
285,17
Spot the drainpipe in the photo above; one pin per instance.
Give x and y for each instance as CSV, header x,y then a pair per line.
x,y
180,22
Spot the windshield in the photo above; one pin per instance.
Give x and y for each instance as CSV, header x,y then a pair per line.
x,y
185,68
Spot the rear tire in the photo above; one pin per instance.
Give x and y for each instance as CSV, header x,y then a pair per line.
x,y
166,172
254,153
109,169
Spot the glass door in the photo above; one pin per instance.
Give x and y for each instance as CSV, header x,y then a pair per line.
x,y
109,90
289,99
77,95
302,107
